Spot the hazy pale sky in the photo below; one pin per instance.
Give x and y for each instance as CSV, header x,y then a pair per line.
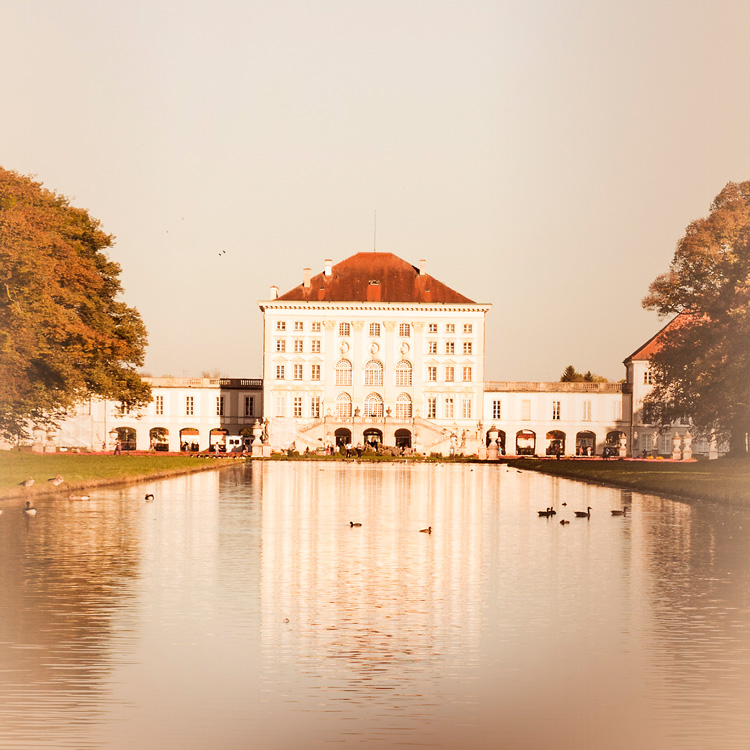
x,y
543,156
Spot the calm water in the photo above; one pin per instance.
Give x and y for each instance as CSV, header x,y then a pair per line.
x,y
240,610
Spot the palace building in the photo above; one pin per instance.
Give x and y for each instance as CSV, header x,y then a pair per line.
x,y
374,350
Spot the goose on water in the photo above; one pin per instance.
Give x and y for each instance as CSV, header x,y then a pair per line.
x,y
563,522
428,530
28,510
149,497
352,523
584,514
623,512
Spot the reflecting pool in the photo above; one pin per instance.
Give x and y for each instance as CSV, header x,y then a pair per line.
x,y
241,609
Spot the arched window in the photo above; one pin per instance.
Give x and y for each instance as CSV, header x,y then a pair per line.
x,y
374,405
373,373
343,372
403,406
343,405
374,329
403,373
344,329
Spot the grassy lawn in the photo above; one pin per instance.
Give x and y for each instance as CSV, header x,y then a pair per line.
x,y
82,470
725,481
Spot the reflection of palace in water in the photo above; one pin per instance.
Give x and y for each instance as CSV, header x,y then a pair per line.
x,y
371,597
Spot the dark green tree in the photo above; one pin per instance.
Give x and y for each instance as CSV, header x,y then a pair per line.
x,y
702,366
64,333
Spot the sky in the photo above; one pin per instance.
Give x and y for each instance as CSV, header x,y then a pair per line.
x,y
544,156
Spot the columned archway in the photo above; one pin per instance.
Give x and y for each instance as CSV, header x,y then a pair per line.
x,y
373,436
126,437
343,437
189,439
585,443
555,443
159,438
525,443
403,438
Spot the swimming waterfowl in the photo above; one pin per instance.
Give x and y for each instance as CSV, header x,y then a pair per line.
x,y
428,530
543,513
623,512
351,523
149,497
582,514
28,510
79,497
563,522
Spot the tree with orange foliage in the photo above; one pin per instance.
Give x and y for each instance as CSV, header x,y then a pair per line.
x,y
702,369
64,334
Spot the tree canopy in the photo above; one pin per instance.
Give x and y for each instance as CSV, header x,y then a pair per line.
x,y
702,366
571,375
64,334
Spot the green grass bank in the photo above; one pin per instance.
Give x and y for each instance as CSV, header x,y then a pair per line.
x,y
82,471
725,481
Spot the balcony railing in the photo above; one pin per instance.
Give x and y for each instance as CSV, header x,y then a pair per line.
x,y
249,383
557,387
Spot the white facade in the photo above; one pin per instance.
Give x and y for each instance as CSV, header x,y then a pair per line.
x,y
371,367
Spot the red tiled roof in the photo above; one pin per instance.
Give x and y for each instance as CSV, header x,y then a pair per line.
x,y
653,345
375,277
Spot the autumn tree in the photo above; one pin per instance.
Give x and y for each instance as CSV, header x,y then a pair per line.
x,y
702,366
64,333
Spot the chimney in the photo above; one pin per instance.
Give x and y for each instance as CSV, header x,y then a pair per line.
x,y
273,292
306,282
328,266
422,264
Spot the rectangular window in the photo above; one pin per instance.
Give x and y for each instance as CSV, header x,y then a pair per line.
x,y
555,410
466,371
647,416
297,406
315,372
279,405
315,326
220,406
450,328
315,407
249,406
468,327
449,374
189,406
404,330
432,407
375,329
279,372
298,345
315,346
468,347
432,328
449,408
496,410
280,345
432,374
298,372
617,411
466,408
159,403
432,347
526,409
298,326
450,347
345,329
647,378
280,325
586,411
